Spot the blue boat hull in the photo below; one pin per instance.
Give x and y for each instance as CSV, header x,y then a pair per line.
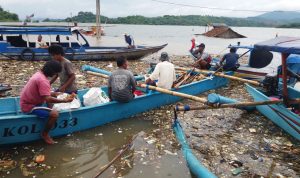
x,y
84,53
279,114
16,127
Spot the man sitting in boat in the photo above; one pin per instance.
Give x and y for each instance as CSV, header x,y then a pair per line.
x,y
164,72
37,91
202,59
40,43
121,83
231,61
129,40
67,75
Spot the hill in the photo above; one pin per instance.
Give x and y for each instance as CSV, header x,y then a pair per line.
x,y
280,15
278,18
197,20
6,16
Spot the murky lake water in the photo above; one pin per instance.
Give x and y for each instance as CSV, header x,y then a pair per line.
x,y
82,154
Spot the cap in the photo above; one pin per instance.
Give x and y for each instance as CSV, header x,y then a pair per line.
x,y
164,56
201,45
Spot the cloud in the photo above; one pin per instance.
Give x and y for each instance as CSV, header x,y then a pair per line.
x,y
116,8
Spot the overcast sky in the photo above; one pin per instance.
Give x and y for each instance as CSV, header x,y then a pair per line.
x,y
117,8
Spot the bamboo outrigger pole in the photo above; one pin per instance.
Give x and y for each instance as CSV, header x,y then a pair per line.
x,y
223,76
174,93
240,105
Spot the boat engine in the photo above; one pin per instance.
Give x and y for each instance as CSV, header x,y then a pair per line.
x,y
270,84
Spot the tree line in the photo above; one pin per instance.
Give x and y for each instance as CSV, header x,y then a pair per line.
x,y
6,16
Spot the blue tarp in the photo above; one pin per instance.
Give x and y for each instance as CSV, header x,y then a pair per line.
x,y
293,59
288,45
35,31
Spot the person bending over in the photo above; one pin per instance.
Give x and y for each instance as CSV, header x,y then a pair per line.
x,y
202,59
37,92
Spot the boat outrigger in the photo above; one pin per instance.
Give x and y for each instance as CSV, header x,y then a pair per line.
x,y
20,43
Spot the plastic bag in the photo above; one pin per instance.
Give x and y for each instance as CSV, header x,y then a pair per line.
x,y
95,96
66,106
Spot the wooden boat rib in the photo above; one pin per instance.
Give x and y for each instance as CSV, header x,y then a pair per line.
x,y
16,127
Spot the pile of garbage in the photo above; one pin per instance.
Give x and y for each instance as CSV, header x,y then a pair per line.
x,y
232,142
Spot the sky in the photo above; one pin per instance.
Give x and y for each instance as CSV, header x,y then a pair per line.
x,y
150,8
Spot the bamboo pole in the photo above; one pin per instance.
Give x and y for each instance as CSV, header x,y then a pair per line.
x,y
98,74
235,105
219,74
174,93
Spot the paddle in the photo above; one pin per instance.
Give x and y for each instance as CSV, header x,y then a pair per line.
x,y
219,74
234,105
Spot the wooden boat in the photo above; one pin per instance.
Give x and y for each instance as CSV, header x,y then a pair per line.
x,y
20,43
280,114
16,127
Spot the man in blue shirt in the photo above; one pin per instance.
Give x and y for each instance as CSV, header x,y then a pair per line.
x,y
231,60
129,40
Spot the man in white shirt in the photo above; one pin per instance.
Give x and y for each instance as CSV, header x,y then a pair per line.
x,y
164,72
40,43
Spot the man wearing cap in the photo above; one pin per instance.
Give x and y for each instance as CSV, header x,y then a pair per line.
x,y
202,59
164,72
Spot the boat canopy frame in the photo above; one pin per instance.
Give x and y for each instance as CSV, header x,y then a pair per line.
x,y
44,31
285,46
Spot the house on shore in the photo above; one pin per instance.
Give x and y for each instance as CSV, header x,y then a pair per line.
x,y
221,30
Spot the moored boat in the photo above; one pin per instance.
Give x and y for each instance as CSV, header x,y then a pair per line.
x,y
280,114
16,127
20,43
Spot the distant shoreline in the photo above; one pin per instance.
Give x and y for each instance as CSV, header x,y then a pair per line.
x,y
65,24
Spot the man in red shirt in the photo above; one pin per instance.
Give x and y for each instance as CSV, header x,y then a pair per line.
x,y
37,91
